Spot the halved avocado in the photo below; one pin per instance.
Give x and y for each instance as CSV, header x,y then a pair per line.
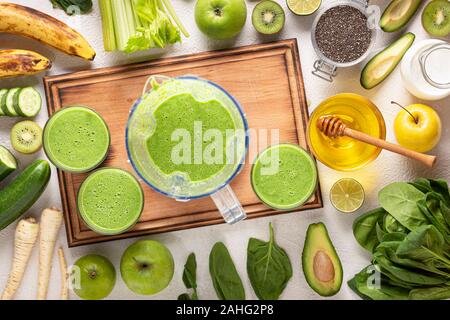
x,y
398,13
380,66
321,264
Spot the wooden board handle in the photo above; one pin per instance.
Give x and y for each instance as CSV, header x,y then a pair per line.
x,y
424,158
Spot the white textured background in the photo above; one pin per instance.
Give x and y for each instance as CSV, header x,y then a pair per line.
x,y
290,228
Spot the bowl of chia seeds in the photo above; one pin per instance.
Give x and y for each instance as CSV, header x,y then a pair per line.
x,y
341,36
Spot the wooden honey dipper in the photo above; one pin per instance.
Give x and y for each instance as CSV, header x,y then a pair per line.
x,y
333,127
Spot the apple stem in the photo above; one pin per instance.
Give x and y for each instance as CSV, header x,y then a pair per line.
x,y
92,274
398,104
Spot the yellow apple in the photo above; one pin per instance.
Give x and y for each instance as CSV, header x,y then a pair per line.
x,y
418,130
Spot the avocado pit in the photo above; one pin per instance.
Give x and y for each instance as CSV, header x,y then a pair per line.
x,y
323,267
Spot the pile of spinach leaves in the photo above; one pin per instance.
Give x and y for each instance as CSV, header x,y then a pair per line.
x,y
409,239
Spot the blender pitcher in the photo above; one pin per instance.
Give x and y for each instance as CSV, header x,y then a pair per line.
x,y
177,185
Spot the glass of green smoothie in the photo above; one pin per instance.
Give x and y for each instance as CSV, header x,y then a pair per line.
x,y
76,139
110,201
187,139
284,176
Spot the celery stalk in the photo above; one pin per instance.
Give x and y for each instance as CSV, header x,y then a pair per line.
x,y
121,26
174,16
130,17
109,39
136,16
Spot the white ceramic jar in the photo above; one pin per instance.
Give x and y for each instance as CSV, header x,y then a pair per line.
x,y
425,69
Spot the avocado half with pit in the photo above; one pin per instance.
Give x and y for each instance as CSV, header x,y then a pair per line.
x,y
321,264
398,13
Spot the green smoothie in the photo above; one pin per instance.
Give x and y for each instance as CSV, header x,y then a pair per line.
x,y
110,201
184,112
284,176
76,139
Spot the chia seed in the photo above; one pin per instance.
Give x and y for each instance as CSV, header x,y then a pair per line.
x,y
342,34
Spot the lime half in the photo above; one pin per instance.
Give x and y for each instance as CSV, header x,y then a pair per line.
x,y
303,7
347,195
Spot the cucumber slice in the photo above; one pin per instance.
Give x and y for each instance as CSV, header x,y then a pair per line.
x,y
7,163
3,102
2,93
15,102
27,102
9,103
381,66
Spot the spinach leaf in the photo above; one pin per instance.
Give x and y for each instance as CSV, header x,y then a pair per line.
x,y
433,293
365,285
393,236
422,185
364,228
422,205
225,278
424,243
392,225
439,210
389,250
268,266
407,276
400,200
190,278
73,6
441,187
438,186
380,232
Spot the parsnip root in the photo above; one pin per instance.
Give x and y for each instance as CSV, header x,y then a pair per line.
x,y
51,221
64,275
27,232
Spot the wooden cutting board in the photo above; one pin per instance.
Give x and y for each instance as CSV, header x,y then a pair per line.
x,y
267,81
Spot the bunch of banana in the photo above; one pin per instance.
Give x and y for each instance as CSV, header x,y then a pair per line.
x,y
22,62
34,24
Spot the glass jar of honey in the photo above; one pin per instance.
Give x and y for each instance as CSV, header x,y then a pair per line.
x,y
345,153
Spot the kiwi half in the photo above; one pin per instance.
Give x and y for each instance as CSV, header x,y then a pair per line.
x,y
436,18
26,137
268,17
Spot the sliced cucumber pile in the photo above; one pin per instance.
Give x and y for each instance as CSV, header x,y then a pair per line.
x,y
20,102
7,163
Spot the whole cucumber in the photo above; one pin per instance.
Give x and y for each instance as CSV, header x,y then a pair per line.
x,y
23,192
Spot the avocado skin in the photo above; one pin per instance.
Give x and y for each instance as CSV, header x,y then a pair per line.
x,y
392,26
317,237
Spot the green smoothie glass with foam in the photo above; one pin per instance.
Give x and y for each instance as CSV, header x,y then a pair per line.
x,y
76,139
187,139
284,176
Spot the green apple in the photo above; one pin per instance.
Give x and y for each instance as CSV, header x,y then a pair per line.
x,y
147,267
418,127
220,19
93,277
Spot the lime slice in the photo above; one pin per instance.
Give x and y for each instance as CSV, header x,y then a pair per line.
x,y
303,7
347,195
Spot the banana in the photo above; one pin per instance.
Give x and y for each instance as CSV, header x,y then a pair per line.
x,y
34,24
22,62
